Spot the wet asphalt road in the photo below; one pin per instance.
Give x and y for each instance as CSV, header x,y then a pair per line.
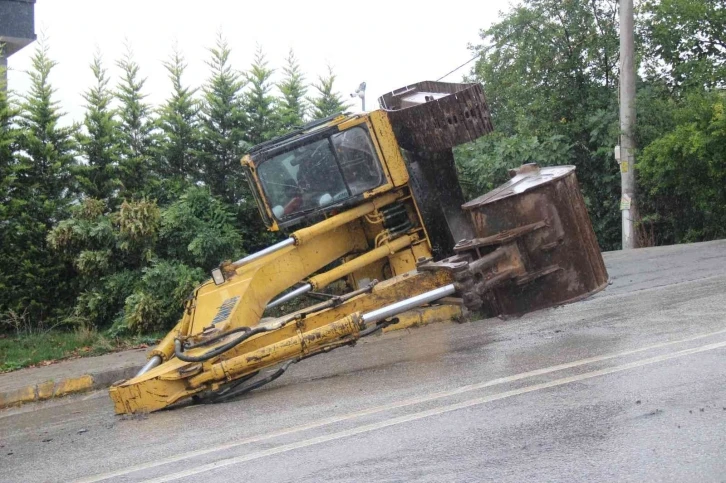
x,y
626,386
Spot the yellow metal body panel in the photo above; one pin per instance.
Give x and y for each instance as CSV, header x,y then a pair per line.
x,y
425,316
254,285
402,261
388,147
390,249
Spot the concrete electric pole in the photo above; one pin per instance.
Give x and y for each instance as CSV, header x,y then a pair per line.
x,y
628,206
17,29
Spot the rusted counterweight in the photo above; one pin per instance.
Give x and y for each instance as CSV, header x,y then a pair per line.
x,y
436,116
534,246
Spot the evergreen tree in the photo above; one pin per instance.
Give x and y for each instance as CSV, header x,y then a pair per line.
x,y
36,282
223,128
327,102
176,155
135,130
8,149
293,90
98,176
259,103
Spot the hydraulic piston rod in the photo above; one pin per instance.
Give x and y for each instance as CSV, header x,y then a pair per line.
x,y
152,363
408,304
271,249
289,296
324,279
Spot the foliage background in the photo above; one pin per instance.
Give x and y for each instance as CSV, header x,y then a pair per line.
x,y
110,222
550,73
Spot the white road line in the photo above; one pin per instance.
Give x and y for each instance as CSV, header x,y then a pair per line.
x,y
425,414
387,407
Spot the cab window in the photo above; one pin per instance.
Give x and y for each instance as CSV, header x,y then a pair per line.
x,y
321,173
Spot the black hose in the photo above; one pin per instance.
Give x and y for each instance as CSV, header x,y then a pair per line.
x,y
229,394
179,353
254,385
380,325
222,392
216,338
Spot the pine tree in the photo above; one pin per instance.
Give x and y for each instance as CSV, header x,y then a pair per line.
x,y
8,145
8,149
293,89
327,102
224,126
259,103
42,190
98,176
135,130
176,155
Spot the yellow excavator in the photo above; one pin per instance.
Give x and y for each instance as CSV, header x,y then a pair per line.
x,y
372,200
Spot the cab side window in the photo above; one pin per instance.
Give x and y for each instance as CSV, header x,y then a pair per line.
x,y
358,161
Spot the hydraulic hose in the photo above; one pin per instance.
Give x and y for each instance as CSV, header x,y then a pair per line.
x,y
216,338
259,383
234,391
379,326
179,353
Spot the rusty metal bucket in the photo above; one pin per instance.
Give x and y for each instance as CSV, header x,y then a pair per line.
x,y
559,261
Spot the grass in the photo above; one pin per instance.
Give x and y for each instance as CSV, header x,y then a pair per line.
x,y
44,348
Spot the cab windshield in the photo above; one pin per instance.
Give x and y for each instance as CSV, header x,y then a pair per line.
x,y
324,172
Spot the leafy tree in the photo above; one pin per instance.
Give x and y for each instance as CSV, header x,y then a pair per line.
x,y
40,191
157,303
327,101
198,230
107,252
176,156
259,103
686,42
135,127
550,72
485,163
293,90
98,176
134,267
223,129
684,172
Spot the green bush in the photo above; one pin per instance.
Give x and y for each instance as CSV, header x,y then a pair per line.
x,y
157,303
683,172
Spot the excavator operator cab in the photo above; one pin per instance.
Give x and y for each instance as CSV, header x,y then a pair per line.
x,y
312,171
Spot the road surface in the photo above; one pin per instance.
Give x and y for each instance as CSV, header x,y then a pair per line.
x,y
626,386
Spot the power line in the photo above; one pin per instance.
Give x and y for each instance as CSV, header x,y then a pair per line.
x,y
462,65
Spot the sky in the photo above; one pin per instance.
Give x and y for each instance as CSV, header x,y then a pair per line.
x,y
387,44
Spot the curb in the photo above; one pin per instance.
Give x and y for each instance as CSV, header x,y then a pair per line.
x,y
53,389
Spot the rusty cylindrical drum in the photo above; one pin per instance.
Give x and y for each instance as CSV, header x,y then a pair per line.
x,y
562,257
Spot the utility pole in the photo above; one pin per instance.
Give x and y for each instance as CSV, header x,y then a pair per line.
x,y
628,206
